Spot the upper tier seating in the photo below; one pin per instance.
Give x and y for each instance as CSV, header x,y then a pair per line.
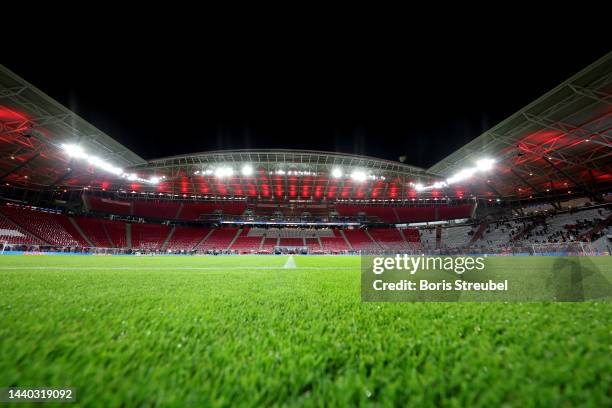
x,y
55,229
193,211
109,206
455,212
161,209
292,210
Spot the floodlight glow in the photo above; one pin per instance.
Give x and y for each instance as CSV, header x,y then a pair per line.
x,y
154,180
439,184
224,172
484,164
419,187
462,175
358,175
247,170
74,151
336,173
77,152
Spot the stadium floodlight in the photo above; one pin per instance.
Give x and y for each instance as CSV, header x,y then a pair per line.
x,y
484,164
154,180
247,170
222,172
419,187
74,151
462,175
336,172
359,175
439,184
77,152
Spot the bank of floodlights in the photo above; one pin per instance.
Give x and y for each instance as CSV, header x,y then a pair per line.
x,y
77,152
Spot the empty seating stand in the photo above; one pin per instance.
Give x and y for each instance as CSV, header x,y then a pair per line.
x,y
51,228
294,242
103,233
149,237
334,244
11,233
387,238
186,238
218,240
360,241
245,244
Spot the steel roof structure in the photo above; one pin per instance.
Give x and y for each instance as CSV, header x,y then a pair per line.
x,y
558,145
32,128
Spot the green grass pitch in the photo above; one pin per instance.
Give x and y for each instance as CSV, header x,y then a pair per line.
x,y
221,331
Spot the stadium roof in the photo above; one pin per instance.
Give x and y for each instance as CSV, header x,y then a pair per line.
x,y
32,128
562,141
559,144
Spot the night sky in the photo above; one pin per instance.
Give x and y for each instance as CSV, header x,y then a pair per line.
x,y
383,100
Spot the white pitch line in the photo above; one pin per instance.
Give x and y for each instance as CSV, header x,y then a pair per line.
x,y
290,264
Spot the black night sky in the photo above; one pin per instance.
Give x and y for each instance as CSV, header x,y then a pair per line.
x,y
384,100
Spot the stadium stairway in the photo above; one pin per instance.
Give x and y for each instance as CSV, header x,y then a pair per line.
x,y
401,232
178,212
348,244
204,238
524,231
25,236
479,232
80,231
373,240
128,235
235,238
397,218
596,229
168,238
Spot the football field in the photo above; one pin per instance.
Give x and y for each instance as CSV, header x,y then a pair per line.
x,y
266,330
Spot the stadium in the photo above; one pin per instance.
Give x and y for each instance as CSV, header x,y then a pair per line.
x,y
231,277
